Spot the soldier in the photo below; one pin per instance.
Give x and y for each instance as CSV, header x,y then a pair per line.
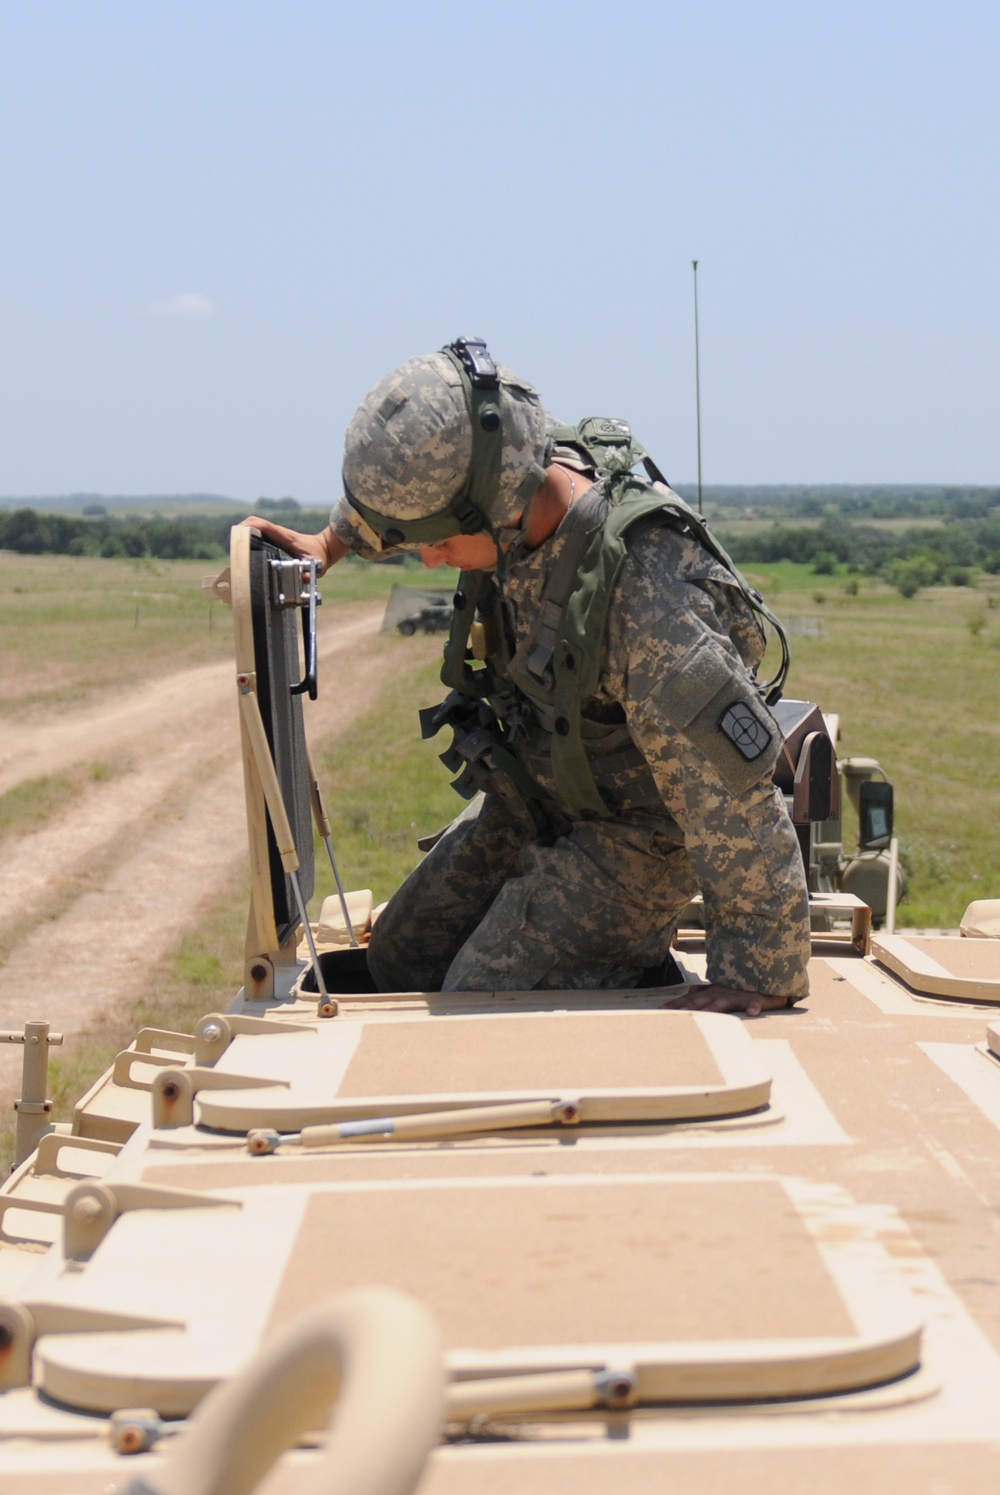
x,y
612,723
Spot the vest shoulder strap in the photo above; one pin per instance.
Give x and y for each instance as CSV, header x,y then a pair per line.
x,y
562,665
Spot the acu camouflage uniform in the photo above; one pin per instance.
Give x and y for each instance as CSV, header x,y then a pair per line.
x,y
496,905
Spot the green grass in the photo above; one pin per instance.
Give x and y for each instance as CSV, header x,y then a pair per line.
x,y
776,577
913,685
32,802
354,580
383,787
74,627
918,689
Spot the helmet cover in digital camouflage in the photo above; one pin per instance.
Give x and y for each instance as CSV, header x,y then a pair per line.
x,y
409,449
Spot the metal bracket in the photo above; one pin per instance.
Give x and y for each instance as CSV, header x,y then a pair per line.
x,y
148,1039
214,1032
174,1091
141,1051
293,584
22,1323
53,1143
218,588
121,1074
91,1207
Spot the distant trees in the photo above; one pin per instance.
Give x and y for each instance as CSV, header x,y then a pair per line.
x,y
289,508
921,555
192,537
850,500
908,559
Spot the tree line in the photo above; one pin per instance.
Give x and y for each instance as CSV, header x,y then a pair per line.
x,y
919,556
190,537
851,501
948,554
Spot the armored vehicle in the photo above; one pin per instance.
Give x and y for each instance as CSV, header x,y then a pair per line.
x,y
335,1239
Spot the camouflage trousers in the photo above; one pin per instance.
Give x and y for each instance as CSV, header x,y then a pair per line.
x,y
491,908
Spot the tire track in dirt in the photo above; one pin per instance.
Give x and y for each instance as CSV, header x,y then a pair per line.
x,y
173,705
94,899
172,747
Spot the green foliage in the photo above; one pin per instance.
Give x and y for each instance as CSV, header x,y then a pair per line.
x,y
286,508
910,574
909,559
876,501
844,527
95,532
915,688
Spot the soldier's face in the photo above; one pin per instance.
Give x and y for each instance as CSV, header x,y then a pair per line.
x,y
466,552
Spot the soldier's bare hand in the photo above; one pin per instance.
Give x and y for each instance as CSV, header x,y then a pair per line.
x,y
324,547
726,999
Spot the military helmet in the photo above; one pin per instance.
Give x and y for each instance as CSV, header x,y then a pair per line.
x,y
450,443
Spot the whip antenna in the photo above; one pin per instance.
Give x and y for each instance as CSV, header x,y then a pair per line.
x,y
697,379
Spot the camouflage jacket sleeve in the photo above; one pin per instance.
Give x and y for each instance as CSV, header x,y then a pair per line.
x,y
672,662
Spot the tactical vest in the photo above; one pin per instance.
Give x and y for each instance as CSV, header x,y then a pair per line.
x,y
490,706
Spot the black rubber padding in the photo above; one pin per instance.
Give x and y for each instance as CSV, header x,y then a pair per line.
x,y
276,633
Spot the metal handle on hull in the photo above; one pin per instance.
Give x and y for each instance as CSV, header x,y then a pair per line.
x,y
369,1363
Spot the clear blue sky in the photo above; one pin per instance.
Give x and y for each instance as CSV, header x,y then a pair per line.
x,y
222,220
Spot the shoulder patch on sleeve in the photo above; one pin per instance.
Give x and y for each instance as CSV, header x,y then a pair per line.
x,y
745,730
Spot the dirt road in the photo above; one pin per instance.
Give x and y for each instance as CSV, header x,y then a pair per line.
x,y
91,899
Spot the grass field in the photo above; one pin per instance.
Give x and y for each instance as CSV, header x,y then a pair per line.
x,y
916,681
403,791
74,627
916,684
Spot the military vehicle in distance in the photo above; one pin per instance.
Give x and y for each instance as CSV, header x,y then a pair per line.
x,y
341,1240
411,610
